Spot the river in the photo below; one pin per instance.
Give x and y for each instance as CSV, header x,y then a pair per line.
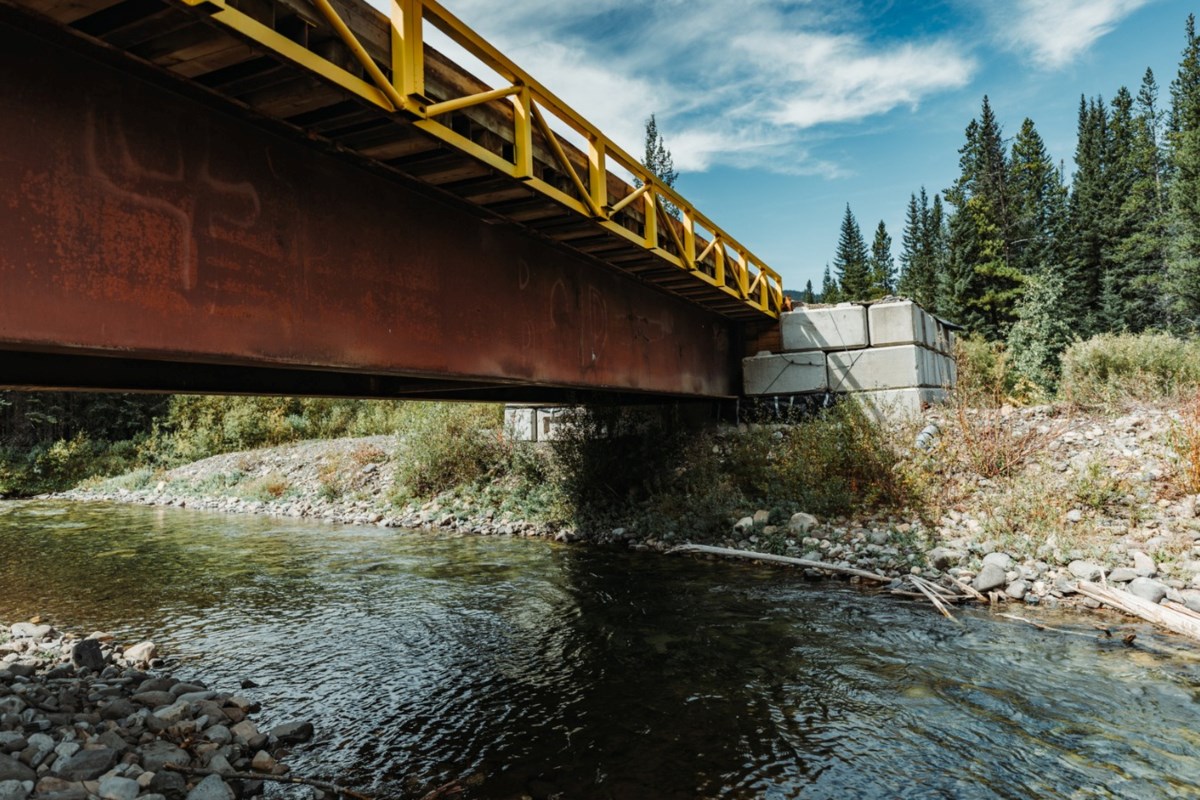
x,y
525,668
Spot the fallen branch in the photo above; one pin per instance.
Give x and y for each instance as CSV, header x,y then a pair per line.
x,y
1164,617
799,562
968,588
324,786
933,598
1042,627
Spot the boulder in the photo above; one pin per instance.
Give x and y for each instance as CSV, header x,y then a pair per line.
x,y
1148,589
211,788
1143,564
141,653
1002,560
13,770
990,577
86,654
292,732
801,523
1085,570
86,765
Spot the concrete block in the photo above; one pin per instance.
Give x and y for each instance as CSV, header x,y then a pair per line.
x,y
784,373
520,423
839,327
896,404
895,323
897,367
550,423
930,329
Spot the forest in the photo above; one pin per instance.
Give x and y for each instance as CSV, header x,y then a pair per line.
x,y
1020,255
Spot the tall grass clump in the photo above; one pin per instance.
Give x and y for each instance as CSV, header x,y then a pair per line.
x,y
1115,368
836,461
446,445
1186,441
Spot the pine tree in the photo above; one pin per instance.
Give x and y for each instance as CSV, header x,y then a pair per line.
x,y
1039,199
808,296
1183,265
658,160
981,286
829,288
850,262
882,266
1087,236
910,248
935,242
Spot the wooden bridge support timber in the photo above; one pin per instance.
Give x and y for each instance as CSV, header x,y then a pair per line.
x,y
151,240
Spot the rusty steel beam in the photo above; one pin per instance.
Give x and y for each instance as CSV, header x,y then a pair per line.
x,y
139,224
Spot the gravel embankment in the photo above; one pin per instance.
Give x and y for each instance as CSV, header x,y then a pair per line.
x,y
82,717
1094,495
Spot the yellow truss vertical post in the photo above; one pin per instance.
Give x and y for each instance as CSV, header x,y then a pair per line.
x,y
743,276
523,135
597,173
689,239
719,255
408,48
651,206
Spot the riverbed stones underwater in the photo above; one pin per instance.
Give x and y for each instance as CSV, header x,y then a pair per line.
x,y
82,718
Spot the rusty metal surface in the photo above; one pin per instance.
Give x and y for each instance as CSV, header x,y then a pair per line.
x,y
137,223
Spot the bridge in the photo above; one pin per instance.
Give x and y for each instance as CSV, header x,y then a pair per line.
x,y
304,196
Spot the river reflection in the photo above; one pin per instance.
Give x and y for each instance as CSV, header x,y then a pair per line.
x,y
530,669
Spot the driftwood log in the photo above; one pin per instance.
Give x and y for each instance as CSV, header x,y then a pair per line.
x,y
729,552
1183,622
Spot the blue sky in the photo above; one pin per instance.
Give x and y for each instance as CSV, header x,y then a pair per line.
x,y
779,112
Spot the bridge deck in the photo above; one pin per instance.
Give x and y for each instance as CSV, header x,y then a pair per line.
x,y
350,80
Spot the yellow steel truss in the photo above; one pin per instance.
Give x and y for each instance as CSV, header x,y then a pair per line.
x,y
722,262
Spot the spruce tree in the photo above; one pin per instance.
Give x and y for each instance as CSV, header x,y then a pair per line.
x,y
850,261
1087,237
1039,198
910,249
829,288
1183,265
981,286
657,158
1042,331
882,264
808,296
935,242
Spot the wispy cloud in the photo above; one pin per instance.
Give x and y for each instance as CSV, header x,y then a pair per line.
x,y
742,84
1054,33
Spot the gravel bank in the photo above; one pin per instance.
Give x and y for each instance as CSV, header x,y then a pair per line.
x,y
1093,495
82,717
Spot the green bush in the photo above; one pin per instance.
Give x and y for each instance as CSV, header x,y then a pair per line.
x,y
445,445
1117,367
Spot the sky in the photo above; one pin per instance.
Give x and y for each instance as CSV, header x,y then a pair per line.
x,y
780,112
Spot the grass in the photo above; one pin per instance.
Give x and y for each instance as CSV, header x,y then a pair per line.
x,y
1185,440
1116,369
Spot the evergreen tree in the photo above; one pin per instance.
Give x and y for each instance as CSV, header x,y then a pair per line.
x,y
808,296
1039,199
1133,214
936,242
829,288
1183,265
1042,331
658,160
1088,238
981,286
850,262
882,266
910,248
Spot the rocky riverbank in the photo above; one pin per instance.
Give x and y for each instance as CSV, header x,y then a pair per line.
x,y
1083,495
82,717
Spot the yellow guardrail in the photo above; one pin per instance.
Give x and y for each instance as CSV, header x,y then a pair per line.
x,y
722,261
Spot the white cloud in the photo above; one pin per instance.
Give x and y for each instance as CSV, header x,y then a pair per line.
x,y
1056,32
741,84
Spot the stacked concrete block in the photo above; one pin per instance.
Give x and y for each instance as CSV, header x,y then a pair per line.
x,y
893,354
839,327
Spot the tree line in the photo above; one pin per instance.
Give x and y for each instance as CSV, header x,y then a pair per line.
x,y
1017,254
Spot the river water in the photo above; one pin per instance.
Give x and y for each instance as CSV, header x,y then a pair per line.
x,y
524,668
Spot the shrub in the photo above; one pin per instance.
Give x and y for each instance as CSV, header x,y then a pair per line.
x,y
1116,368
445,445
